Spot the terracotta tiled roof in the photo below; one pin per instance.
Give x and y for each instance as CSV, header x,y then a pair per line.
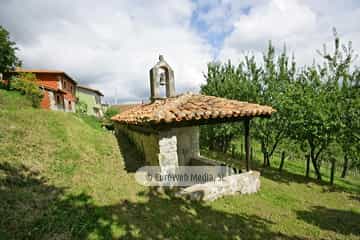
x,y
22,70
191,107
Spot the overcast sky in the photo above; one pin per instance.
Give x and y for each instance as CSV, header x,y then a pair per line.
x,y
111,45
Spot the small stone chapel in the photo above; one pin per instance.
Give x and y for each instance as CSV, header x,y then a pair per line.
x,y
166,130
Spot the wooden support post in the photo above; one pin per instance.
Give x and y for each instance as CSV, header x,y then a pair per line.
x,y
233,151
282,161
251,154
241,152
332,171
247,143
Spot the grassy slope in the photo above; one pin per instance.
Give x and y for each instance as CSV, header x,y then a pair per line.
x,y
63,177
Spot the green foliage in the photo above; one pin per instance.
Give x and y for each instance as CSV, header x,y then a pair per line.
x,y
275,88
8,59
249,81
218,136
326,104
110,112
26,84
344,84
81,107
221,81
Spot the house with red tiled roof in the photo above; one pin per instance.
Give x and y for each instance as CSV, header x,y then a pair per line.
x,y
58,87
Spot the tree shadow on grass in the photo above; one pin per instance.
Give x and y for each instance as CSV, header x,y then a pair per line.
x,y
337,220
285,176
31,208
355,197
288,178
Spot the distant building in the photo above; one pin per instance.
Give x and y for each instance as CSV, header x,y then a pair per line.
x,y
92,98
58,88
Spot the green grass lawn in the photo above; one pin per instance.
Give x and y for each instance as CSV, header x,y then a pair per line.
x,y
63,177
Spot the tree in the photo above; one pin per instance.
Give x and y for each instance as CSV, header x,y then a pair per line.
x,y
343,83
323,109
250,81
275,84
110,112
81,107
26,84
312,123
233,82
8,59
348,136
106,121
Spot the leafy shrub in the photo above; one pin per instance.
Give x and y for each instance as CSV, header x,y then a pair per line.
x,y
81,107
25,83
110,112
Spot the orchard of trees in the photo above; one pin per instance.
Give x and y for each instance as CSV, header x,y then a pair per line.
x,y
318,106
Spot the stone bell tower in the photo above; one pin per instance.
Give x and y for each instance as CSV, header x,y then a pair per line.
x,y
161,75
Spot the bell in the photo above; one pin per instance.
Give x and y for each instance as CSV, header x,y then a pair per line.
x,y
162,79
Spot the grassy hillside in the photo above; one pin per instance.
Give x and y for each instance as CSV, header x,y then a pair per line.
x,y
63,177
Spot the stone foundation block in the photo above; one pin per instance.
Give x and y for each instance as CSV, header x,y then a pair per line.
x,y
244,183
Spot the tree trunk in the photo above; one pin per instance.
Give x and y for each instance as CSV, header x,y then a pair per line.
x,y
282,161
263,150
307,165
267,159
242,151
314,158
264,157
345,166
317,172
332,173
251,154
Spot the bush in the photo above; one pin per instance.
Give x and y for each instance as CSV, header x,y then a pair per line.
x,y
110,112
25,83
81,107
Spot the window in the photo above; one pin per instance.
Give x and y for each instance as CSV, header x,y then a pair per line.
x,y
64,84
70,106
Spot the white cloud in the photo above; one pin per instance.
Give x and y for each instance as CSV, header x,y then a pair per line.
x,y
110,46
302,25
